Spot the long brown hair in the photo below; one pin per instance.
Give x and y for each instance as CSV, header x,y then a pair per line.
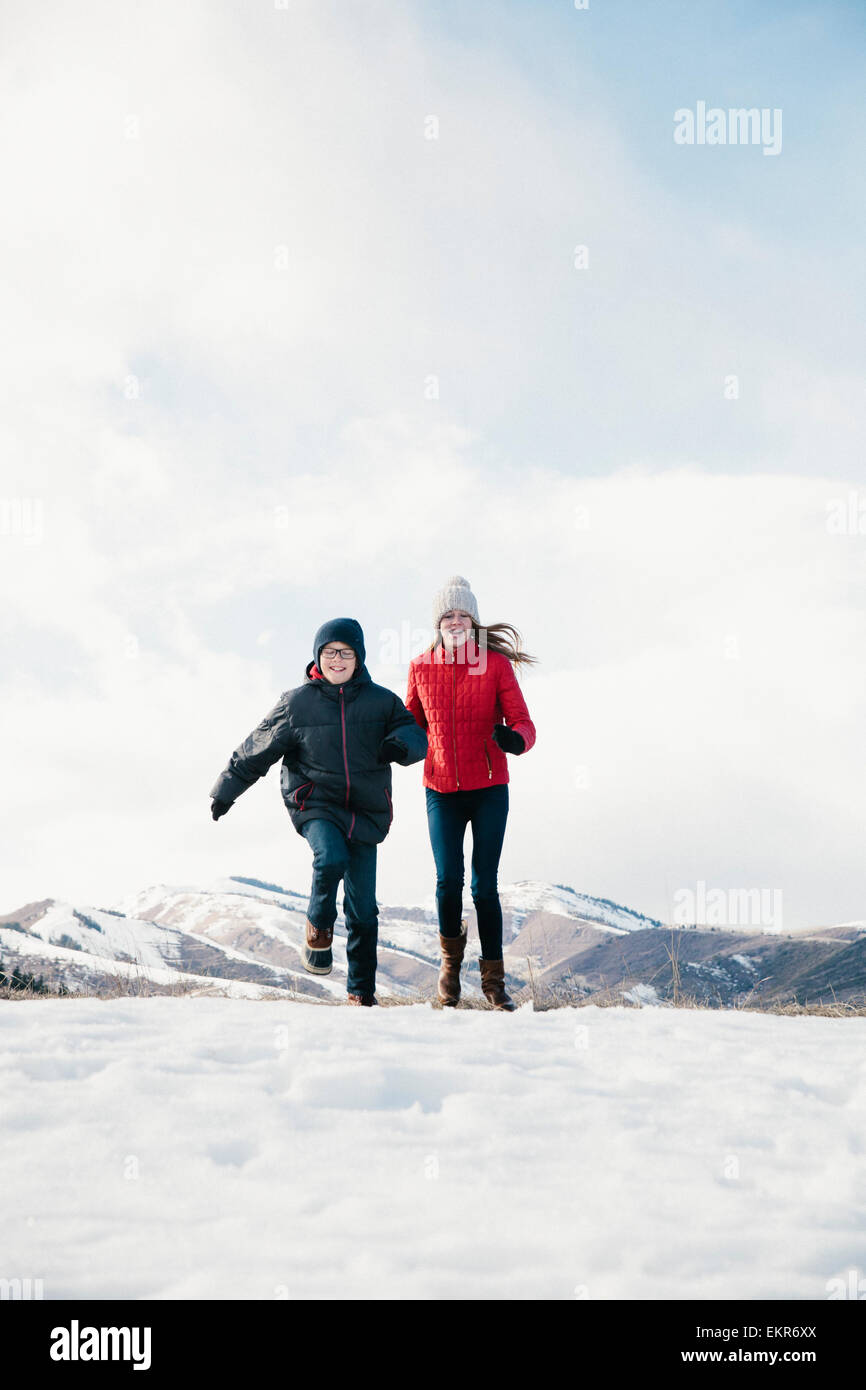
x,y
498,637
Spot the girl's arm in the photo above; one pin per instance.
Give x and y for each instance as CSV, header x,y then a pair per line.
x,y
513,705
269,741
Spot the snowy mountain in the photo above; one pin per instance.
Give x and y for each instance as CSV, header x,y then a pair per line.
x,y
95,948
241,937
521,900
244,935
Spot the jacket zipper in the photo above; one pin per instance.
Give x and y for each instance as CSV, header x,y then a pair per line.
x,y
390,807
454,718
346,760
487,756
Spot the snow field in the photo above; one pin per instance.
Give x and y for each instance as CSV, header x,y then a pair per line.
x,y
224,1148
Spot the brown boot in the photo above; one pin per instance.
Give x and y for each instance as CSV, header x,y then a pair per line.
x,y
452,948
316,951
365,1000
493,984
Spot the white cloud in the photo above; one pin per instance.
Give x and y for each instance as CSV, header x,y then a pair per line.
x,y
234,261
700,654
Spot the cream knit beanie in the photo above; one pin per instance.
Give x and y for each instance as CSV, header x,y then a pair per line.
x,y
455,593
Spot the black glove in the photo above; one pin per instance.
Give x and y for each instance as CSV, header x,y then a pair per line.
x,y
509,740
219,808
392,749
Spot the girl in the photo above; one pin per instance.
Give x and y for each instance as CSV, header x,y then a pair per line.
x,y
338,734
461,690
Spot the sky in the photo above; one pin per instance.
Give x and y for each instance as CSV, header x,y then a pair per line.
x,y
310,306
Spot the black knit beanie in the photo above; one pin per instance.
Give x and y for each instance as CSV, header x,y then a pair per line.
x,y
341,630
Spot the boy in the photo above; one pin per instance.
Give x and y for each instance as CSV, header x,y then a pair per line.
x,y
338,734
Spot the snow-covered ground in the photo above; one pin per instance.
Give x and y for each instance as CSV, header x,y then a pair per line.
x,y
223,1148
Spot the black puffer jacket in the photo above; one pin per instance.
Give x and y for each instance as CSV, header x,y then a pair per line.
x,y
329,738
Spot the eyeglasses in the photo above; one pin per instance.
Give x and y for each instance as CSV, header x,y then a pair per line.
x,y
331,653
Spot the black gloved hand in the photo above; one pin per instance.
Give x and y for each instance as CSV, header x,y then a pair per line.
x,y
392,749
219,808
509,740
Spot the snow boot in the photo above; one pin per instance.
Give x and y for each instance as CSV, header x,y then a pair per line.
x,y
452,948
365,1000
316,951
493,984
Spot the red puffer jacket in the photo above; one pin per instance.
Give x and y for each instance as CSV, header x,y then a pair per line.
x,y
458,702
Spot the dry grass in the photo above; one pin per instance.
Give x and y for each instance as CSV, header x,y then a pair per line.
x,y
122,987
839,1008
565,994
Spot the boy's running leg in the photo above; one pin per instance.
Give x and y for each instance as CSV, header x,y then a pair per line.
x,y
362,923
330,859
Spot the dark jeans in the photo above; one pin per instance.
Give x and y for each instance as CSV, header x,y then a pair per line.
x,y
335,858
448,814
